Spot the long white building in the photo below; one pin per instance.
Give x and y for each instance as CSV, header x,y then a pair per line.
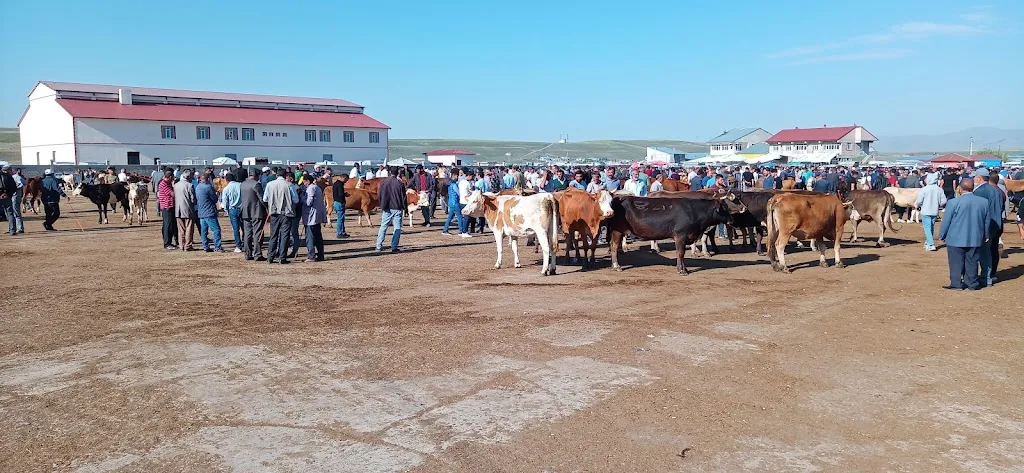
x,y
68,123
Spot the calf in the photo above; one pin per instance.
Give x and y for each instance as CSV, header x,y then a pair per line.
x,y
363,201
813,217
906,198
873,206
414,201
580,212
33,194
138,199
519,216
682,219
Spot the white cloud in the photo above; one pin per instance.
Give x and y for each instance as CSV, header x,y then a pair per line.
x,y
859,48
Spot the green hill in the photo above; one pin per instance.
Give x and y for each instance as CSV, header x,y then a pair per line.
x,y
10,145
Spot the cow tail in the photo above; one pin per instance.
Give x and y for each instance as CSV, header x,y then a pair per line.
x,y
773,232
551,205
890,202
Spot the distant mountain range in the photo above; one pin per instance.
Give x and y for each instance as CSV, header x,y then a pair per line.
x,y
984,138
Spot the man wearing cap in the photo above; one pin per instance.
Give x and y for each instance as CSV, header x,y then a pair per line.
x,y
51,194
965,228
995,198
7,190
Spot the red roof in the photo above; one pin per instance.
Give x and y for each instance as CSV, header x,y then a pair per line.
x,y
952,158
450,152
195,94
207,114
811,134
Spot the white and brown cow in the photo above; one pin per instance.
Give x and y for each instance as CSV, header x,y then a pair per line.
x,y
906,198
414,201
138,199
519,216
581,214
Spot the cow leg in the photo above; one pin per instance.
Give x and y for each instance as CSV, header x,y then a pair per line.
x,y
498,241
710,238
577,237
680,254
547,268
654,246
780,251
570,243
881,233
839,261
760,239
819,243
853,238
614,244
515,250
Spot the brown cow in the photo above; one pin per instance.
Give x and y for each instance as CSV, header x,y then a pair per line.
x,y
788,184
582,213
33,194
369,185
673,185
219,183
873,206
813,217
1014,185
363,201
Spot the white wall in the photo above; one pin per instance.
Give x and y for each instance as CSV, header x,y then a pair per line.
x,y
46,130
451,160
101,140
656,155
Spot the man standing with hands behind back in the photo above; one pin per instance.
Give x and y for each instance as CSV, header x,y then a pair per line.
x,y
995,200
965,228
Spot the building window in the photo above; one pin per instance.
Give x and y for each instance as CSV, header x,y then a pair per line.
x,y
350,137
849,146
284,135
277,134
310,135
168,132
264,133
325,136
801,147
202,132
374,137
230,133
328,157
248,134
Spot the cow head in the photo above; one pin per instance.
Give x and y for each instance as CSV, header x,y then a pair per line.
x,y
604,202
851,212
732,202
474,204
77,190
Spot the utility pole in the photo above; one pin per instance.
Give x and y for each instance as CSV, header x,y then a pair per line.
x,y
971,152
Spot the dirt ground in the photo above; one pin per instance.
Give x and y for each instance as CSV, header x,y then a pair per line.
x,y
116,355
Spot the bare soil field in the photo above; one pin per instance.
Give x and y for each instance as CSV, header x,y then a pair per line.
x,y
117,355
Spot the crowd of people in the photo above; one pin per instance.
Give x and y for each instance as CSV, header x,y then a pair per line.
x,y
285,199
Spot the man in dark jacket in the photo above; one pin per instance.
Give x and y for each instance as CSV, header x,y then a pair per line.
x,y
392,205
424,182
833,181
254,217
52,192
206,210
7,190
984,188
339,194
821,184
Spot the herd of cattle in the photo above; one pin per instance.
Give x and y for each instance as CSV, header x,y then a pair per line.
x,y
686,217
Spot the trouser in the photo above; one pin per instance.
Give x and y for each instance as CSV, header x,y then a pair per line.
x,y
168,227
990,256
186,232
16,206
339,228
475,222
52,211
252,237
235,217
278,246
455,211
206,225
426,215
6,206
928,222
389,217
433,203
293,231
963,266
314,242
899,212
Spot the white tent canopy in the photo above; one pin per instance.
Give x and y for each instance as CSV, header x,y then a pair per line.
x,y
400,162
224,161
764,158
814,158
724,158
326,163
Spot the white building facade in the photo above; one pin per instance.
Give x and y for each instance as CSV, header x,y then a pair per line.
x,y
668,155
83,123
736,140
450,157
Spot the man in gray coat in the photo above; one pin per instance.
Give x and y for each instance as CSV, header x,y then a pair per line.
x,y
995,199
185,210
965,228
254,217
281,207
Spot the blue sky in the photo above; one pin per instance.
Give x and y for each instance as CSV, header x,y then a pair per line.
x,y
532,70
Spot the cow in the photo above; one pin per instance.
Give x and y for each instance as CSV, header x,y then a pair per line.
x,y
33,193
683,219
369,185
102,194
138,199
519,216
219,183
788,184
873,206
1013,185
580,212
363,201
813,217
673,185
709,234
414,201
906,198
69,183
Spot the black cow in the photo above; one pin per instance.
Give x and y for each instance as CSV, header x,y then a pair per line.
x,y
684,220
102,194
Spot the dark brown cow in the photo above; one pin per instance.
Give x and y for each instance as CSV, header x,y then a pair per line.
x,y
363,201
33,193
813,217
872,206
582,213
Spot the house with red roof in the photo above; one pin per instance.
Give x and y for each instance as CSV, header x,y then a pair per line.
x,y
450,157
69,123
822,145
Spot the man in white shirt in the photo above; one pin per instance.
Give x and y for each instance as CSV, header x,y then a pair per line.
x,y
382,172
465,188
354,173
123,176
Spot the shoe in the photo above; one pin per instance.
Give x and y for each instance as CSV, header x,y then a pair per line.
x,y
336,236
977,288
168,247
309,260
446,233
953,288
218,250
465,235
899,220
260,258
379,250
428,225
208,250
238,250
284,261
249,258
345,235
395,250
269,260
320,259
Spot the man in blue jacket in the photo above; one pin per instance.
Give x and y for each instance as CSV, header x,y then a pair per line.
x,y
51,195
206,211
964,229
995,200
